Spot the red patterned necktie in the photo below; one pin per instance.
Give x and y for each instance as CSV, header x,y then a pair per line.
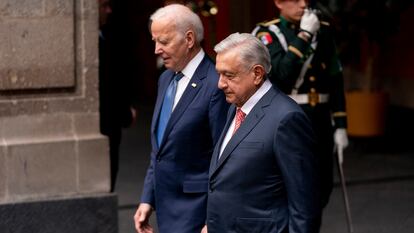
x,y
240,115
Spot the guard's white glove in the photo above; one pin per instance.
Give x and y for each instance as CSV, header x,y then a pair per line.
x,y
341,138
309,22
341,141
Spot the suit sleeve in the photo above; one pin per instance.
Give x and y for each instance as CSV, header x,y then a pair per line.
x,y
294,146
148,189
336,92
147,195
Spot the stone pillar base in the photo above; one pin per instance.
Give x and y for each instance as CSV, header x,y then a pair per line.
x,y
83,214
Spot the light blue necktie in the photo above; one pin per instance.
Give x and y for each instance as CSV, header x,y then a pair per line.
x,y
167,106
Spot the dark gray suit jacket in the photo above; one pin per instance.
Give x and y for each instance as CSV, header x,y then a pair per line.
x,y
266,179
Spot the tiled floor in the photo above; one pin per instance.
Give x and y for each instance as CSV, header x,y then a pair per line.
x,y
380,184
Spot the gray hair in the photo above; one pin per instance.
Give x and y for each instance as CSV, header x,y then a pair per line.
x,y
251,50
183,18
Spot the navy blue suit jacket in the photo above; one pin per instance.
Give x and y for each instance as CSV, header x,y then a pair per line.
x,y
177,178
266,179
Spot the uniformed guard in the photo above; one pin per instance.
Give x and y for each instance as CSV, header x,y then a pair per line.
x,y
306,67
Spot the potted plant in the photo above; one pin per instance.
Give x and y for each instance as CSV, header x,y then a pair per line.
x,y
363,27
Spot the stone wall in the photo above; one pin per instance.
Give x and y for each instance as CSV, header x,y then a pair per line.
x,y
50,145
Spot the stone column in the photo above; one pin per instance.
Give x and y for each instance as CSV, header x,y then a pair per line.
x,y
54,163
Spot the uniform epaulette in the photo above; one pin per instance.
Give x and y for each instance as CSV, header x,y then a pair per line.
x,y
325,23
268,23
339,114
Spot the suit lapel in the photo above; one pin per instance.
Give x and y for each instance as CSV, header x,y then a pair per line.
x,y
193,87
161,93
252,119
214,157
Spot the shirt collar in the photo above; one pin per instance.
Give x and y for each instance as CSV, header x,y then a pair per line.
x,y
252,101
191,67
287,24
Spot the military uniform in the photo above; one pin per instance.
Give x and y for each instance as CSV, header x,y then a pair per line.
x,y
319,91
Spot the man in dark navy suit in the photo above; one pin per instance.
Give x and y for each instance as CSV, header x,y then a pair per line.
x,y
188,118
263,173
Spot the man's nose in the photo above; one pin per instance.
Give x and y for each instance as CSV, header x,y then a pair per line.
x,y
303,3
221,83
158,49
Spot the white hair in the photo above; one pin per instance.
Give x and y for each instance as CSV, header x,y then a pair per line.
x,y
251,50
183,18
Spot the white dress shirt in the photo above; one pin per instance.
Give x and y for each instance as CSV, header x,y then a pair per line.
x,y
246,108
188,72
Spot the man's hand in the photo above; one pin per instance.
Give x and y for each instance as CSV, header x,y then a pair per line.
x,y
204,230
141,218
341,140
309,22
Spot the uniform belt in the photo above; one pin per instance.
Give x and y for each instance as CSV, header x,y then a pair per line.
x,y
310,98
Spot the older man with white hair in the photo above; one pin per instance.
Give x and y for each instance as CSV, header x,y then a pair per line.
x,y
263,173
188,118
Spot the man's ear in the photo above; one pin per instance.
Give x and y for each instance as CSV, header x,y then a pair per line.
x,y
259,74
278,3
190,38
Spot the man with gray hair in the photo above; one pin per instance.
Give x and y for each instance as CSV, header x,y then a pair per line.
x,y
263,173
188,118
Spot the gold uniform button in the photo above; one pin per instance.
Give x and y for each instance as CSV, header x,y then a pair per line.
x,y
312,78
323,65
309,66
313,90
